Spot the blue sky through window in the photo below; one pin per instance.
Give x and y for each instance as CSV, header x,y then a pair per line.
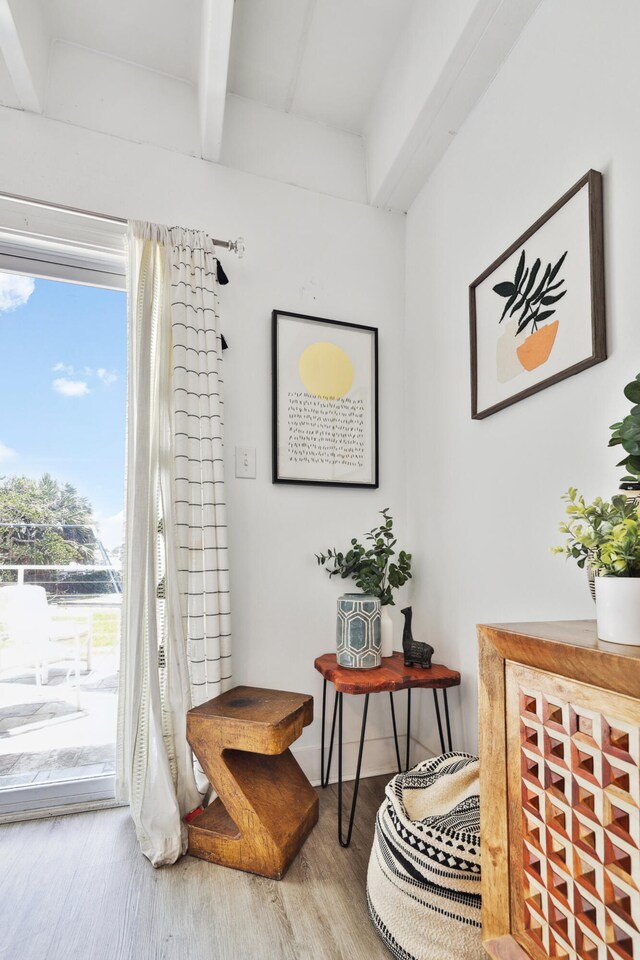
x,y
63,356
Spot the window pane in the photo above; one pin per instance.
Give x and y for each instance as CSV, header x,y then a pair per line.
x,y
62,424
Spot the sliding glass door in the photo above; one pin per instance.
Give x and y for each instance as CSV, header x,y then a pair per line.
x,y
62,429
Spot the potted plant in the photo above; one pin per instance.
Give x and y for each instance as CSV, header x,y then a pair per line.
x,y
373,569
607,537
626,433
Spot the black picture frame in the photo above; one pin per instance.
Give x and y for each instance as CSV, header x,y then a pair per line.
x,y
593,318
336,329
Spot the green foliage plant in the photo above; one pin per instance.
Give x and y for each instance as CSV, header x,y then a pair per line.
x,y
372,568
626,433
604,535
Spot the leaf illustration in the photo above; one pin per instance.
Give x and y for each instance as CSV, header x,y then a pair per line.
x,y
525,310
544,315
507,305
528,294
536,318
519,271
522,299
546,301
505,289
554,272
537,293
532,278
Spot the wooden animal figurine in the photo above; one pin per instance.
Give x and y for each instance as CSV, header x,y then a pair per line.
x,y
415,653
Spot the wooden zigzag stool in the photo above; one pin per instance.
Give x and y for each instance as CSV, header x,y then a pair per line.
x,y
265,807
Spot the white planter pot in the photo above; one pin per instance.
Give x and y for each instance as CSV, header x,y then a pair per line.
x,y
618,609
386,625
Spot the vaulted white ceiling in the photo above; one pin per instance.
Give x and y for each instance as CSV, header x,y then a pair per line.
x,y
161,35
319,59
358,98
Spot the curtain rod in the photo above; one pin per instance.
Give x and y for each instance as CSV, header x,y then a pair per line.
x,y
234,246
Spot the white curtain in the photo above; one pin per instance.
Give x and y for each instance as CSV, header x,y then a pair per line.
x,y
176,644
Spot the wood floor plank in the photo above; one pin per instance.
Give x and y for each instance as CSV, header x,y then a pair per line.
x,y
78,888
29,909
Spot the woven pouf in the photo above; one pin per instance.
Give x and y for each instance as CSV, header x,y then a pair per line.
x,y
423,883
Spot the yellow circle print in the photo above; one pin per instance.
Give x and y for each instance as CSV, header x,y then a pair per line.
x,y
326,370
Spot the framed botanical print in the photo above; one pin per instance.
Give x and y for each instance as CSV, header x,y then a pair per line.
x,y
325,401
537,314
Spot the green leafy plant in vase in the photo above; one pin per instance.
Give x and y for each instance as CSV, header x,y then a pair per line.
x,y
626,434
606,536
372,567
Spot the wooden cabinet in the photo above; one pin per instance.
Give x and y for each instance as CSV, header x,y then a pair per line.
x,y
560,793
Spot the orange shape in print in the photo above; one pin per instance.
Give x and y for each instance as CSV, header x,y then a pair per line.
x,y
536,348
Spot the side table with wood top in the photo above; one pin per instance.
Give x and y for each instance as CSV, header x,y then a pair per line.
x,y
390,677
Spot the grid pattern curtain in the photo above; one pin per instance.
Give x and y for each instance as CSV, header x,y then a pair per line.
x,y
176,634
200,509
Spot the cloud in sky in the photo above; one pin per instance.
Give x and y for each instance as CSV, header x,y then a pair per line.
x,y
70,388
111,529
14,291
62,385
107,376
6,453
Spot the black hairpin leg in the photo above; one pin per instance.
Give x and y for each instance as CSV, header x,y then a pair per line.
x,y
408,727
324,777
439,719
345,843
395,732
446,713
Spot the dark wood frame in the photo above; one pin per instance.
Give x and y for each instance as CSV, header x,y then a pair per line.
x,y
598,322
274,408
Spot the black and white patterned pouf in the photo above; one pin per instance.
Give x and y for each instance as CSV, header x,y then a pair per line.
x,y
423,883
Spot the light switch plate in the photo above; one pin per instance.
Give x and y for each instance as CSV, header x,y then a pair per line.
x,y
246,463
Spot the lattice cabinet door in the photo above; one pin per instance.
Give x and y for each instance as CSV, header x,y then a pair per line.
x,y
573,756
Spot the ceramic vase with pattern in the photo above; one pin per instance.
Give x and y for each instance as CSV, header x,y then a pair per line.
x,y
358,634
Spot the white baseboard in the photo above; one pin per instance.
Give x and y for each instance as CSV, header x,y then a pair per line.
x,y
62,811
379,756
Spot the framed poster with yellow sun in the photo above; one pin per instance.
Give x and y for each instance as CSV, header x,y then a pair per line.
x,y
325,401
538,312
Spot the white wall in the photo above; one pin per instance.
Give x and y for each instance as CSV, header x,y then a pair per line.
x,y
305,252
484,496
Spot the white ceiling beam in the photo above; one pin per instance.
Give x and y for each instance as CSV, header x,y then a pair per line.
x,y
217,20
24,43
302,46
397,174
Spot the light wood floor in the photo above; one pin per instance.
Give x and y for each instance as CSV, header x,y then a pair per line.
x,y
77,888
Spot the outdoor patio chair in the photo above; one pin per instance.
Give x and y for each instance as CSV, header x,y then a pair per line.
x,y
27,626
